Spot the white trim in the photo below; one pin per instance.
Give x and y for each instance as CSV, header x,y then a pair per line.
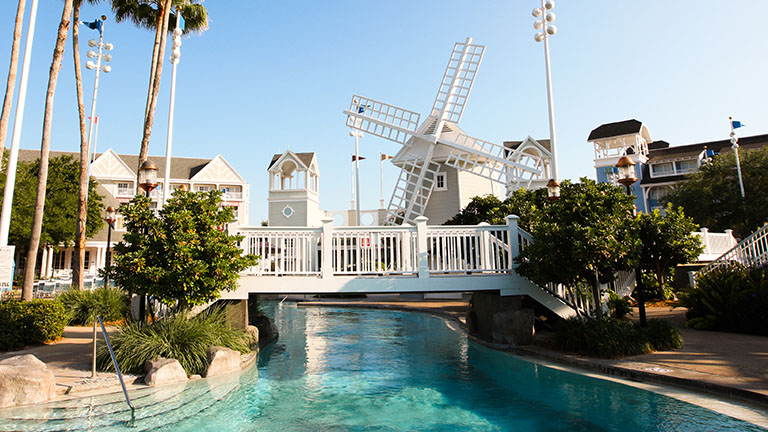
x,y
208,165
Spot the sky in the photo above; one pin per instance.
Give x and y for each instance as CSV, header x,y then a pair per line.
x,y
268,76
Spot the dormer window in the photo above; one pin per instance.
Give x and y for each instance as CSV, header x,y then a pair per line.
x,y
662,169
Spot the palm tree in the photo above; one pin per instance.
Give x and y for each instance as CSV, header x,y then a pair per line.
x,y
45,149
79,255
6,114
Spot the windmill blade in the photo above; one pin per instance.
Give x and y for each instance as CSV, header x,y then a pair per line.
x,y
457,81
410,197
488,160
382,120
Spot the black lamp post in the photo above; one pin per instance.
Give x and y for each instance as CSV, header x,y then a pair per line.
x,y
627,177
148,182
110,218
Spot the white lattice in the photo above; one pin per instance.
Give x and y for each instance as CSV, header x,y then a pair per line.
x,y
409,199
457,81
380,119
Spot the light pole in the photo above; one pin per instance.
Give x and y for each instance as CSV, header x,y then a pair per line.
x,y
96,67
546,29
735,147
627,177
13,157
148,182
175,56
357,134
553,190
110,219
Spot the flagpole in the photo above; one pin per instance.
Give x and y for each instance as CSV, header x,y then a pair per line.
x,y
735,147
13,158
357,177
95,93
352,183
381,180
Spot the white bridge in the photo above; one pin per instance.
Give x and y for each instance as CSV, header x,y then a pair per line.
x,y
394,259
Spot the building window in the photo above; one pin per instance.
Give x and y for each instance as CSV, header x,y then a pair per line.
x,y
124,189
686,166
58,260
204,188
119,223
440,182
87,260
234,212
662,169
288,211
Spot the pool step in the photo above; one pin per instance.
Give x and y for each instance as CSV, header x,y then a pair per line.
x,y
154,408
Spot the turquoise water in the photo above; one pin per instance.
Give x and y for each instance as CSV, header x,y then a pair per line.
x,y
371,370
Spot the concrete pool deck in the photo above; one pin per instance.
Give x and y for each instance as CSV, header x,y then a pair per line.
x,y
723,364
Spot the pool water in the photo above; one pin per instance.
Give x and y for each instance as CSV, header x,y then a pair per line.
x,y
373,370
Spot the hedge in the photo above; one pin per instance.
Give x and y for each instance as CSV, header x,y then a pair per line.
x,y
33,322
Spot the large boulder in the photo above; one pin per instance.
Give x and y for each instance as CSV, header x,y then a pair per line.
x,y
222,361
253,337
514,327
25,380
163,371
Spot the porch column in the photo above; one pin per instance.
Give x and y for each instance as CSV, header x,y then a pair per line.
x,y
49,264
326,257
514,245
43,263
421,249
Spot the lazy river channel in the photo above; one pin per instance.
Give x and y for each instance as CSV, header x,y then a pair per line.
x,y
372,370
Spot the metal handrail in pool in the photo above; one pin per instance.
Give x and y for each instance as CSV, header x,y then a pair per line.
x,y
114,362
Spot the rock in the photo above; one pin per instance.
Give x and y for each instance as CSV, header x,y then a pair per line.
x,y
195,377
163,371
267,330
222,361
25,380
514,327
471,322
253,336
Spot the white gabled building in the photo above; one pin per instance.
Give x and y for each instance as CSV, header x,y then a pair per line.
x,y
116,176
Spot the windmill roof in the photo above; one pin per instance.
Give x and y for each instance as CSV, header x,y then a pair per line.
x,y
625,127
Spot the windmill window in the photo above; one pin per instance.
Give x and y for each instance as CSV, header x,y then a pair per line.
x,y
440,182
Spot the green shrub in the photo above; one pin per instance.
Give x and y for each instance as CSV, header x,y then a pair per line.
x,y
33,322
83,306
619,307
652,290
730,298
177,336
612,338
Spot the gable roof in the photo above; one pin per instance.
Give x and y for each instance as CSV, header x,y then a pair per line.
x,y
625,127
515,144
305,158
721,146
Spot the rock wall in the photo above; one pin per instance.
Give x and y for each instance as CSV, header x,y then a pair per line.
x,y
501,319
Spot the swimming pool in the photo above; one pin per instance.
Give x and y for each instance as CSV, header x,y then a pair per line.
x,y
366,370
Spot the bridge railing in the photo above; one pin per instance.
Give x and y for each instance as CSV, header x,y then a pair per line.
x,y
419,250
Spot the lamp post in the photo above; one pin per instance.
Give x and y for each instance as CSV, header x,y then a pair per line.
x,y
175,56
357,134
735,147
627,177
544,21
110,219
96,67
553,190
148,182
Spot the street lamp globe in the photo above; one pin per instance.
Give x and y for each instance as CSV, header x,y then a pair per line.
x,y
148,176
626,168
553,190
111,215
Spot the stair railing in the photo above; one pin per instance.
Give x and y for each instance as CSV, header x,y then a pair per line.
x,y
752,251
114,362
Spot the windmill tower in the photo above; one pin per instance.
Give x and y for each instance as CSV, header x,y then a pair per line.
x,y
438,142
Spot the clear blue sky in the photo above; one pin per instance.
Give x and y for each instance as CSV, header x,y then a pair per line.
x,y
269,75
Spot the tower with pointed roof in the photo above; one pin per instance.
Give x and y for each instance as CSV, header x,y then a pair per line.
x,y
294,182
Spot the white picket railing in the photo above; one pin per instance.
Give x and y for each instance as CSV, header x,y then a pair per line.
x,y
282,251
373,251
752,251
462,249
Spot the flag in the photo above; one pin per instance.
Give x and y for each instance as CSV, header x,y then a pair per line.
x,y
385,156
709,153
361,108
736,124
96,25
354,158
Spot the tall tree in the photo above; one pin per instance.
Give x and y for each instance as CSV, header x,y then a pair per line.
x,y
45,149
9,87
711,195
82,212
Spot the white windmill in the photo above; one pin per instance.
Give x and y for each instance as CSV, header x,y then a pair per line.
x,y
438,140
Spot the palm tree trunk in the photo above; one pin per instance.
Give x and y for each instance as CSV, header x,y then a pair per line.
x,y
82,208
45,149
6,114
154,81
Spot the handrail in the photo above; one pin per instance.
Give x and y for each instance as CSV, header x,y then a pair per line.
x,y
114,362
753,250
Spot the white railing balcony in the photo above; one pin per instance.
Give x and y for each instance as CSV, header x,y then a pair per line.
x,y
233,196
715,244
